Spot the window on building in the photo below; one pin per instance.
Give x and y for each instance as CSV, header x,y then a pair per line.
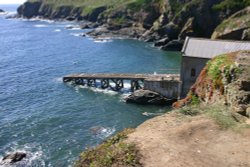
x,y
193,72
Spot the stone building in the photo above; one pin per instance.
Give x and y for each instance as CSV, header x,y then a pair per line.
x,y
197,51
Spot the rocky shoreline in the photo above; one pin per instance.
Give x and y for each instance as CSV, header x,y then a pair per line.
x,y
164,24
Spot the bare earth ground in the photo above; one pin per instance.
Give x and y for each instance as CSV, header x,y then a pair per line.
x,y
174,140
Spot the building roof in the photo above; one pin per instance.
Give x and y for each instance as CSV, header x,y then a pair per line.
x,y
207,48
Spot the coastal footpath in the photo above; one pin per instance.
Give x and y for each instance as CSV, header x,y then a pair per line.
x,y
166,23
210,127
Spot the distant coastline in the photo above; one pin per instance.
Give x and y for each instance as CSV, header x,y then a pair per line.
x,y
166,25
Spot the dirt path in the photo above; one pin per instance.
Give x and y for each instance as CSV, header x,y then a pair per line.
x,y
173,140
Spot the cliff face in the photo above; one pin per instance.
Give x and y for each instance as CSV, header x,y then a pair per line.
x,y
149,20
235,27
224,80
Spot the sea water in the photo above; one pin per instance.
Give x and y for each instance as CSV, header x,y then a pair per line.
x,y
49,120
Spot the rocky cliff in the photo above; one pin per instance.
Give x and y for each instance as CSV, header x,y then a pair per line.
x,y
236,26
164,22
224,80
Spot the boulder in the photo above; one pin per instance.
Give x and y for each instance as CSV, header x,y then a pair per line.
x,y
175,45
246,34
88,25
1,10
162,42
70,18
150,36
148,97
14,157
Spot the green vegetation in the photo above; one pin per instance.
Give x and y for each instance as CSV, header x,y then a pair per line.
x,y
119,21
113,151
189,110
235,22
221,114
195,100
219,66
231,5
176,6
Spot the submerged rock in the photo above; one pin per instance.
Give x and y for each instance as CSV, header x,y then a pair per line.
x,y
14,157
148,97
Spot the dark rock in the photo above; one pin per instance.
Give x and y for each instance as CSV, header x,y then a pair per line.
x,y
246,35
188,29
83,35
245,85
89,25
29,9
248,112
15,157
162,42
1,10
93,16
171,30
174,45
148,97
84,26
69,27
70,18
62,12
229,30
150,36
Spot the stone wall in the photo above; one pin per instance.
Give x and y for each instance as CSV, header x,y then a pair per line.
x,y
190,70
168,88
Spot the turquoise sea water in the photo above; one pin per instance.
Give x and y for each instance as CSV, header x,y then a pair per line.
x,y
52,121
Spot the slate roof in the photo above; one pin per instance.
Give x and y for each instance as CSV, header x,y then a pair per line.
x,y
207,48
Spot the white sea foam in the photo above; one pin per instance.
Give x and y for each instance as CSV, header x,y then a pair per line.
x,y
77,34
8,14
124,92
40,19
40,25
57,30
97,89
58,80
102,40
72,27
102,132
152,114
33,158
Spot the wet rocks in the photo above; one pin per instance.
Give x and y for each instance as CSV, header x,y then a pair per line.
x,y
174,45
14,157
1,11
148,97
162,42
